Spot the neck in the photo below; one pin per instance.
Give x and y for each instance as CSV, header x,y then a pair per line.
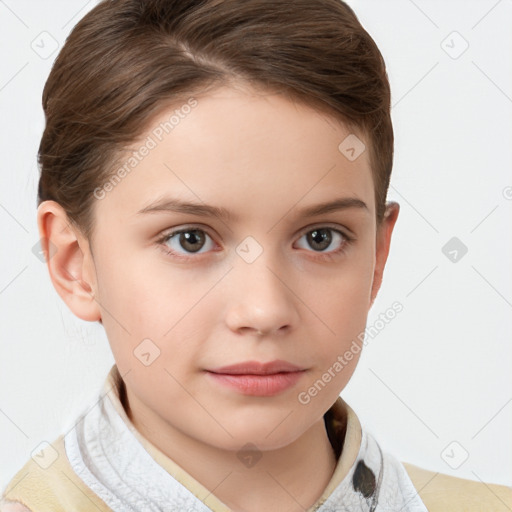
x,y
290,478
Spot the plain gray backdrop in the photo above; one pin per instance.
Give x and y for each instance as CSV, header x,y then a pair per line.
x,y
434,385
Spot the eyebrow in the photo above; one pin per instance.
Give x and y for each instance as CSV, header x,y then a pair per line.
x,y
205,210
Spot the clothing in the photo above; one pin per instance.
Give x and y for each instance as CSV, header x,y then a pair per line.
x,y
105,464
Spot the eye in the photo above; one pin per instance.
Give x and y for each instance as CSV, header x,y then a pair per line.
x,y
190,240
321,238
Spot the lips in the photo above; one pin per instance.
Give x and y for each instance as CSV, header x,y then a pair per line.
x,y
257,368
257,379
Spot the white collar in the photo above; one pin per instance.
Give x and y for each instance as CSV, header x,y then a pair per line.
x,y
130,474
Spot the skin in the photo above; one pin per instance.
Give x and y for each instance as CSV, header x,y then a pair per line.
x,y
263,158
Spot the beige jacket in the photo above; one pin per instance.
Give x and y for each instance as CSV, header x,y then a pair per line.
x,y
58,488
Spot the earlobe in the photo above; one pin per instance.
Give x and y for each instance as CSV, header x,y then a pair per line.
x,y
383,242
69,261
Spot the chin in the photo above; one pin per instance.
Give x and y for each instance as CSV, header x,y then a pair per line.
x,y
267,434
251,440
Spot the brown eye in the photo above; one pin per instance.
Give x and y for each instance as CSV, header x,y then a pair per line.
x,y
319,239
191,240
325,243
186,241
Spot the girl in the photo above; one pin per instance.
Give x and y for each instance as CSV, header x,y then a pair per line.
x,y
213,191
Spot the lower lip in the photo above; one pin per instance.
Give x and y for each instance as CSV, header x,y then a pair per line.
x,y
258,385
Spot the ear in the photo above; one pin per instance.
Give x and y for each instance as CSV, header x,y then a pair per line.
x,y
69,261
383,241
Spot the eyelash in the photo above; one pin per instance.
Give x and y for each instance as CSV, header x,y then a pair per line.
x,y
326,256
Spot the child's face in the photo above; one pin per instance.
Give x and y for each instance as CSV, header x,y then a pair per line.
x,y
263,159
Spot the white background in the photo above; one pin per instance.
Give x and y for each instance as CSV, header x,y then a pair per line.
x,y
439,372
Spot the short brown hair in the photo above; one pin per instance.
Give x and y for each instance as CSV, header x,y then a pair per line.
x,y
126,59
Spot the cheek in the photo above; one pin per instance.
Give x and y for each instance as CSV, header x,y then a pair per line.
x,y
344,299
343,306
132,305
143,302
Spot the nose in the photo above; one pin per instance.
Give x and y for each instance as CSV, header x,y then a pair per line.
x,y
261,299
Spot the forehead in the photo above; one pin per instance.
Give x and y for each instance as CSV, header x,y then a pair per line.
x,y
243,149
